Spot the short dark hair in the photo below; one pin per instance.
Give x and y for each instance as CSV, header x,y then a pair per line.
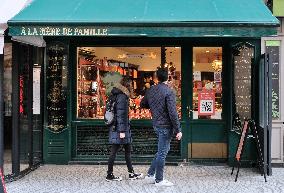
x,y
162,74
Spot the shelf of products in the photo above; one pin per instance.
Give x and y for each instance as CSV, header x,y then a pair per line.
x,y
91,89
95,78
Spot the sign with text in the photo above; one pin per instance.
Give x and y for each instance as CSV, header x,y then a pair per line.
x,y
197,76
273,49
206,103
63,31
36,90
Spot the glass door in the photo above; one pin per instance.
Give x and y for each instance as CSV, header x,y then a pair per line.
x,y
208,139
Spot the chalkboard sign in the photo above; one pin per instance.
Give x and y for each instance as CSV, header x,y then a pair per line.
x,y
243,54
2,185
56,86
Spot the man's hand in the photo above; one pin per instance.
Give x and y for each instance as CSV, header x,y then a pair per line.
x,y
122,135
179,136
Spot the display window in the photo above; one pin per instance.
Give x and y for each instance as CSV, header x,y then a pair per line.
x,y
100,68
207,83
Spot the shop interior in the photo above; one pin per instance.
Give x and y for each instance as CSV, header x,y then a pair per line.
x,y
99,68
207,83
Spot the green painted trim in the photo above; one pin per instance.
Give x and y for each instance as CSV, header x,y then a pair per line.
x,y
56,146
273,43
141,31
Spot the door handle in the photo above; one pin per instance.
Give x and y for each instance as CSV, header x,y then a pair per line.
x,y
189,110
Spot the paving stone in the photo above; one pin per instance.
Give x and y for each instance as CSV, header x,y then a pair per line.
x,y
187,179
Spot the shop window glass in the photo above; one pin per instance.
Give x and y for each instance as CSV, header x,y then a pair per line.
x,y
99,68
207,83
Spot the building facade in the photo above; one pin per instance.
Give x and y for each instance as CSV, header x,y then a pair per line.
x,y
274,47
214,58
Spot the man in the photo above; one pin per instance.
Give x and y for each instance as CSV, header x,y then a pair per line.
x,y
161,101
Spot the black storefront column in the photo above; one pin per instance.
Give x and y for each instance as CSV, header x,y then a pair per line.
x,y
15,109
30,106
1,112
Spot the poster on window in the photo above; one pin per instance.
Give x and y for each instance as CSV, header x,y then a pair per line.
x,y
197,76
36,90
206,103
198,85
218,87
217,76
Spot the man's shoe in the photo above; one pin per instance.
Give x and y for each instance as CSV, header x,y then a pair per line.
x,y
164,183
111,177
150,179
134,176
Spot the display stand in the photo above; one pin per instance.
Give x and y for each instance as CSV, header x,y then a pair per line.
x,y
249,124
260,158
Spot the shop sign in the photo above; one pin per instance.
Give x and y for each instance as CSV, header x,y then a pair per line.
x,y
21,95
273,49
63,31
36,90
86,30
206,103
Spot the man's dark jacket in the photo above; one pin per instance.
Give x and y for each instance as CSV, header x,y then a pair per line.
x,y
162,103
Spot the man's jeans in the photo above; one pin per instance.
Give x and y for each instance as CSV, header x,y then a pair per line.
x,y
158,163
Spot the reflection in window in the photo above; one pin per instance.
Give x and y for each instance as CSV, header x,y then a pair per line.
x,y
207,83
99,68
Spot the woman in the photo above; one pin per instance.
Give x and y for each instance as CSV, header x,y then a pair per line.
x,y
120,134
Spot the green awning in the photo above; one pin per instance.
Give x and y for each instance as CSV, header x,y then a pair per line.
x,y
156,18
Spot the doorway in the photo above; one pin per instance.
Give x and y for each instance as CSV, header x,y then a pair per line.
x,y
206,120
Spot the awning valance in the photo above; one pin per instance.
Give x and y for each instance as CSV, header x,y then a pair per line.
x,y
159,18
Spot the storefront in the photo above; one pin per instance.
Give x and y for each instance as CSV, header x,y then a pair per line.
x,y
11,163
274,47
211,49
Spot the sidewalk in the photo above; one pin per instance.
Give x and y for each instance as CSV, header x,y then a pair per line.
x,y
187,179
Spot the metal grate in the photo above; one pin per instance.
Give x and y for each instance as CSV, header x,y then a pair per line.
x,y
93,141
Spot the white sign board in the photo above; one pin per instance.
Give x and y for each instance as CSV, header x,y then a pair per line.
x,y
36,91
197,76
